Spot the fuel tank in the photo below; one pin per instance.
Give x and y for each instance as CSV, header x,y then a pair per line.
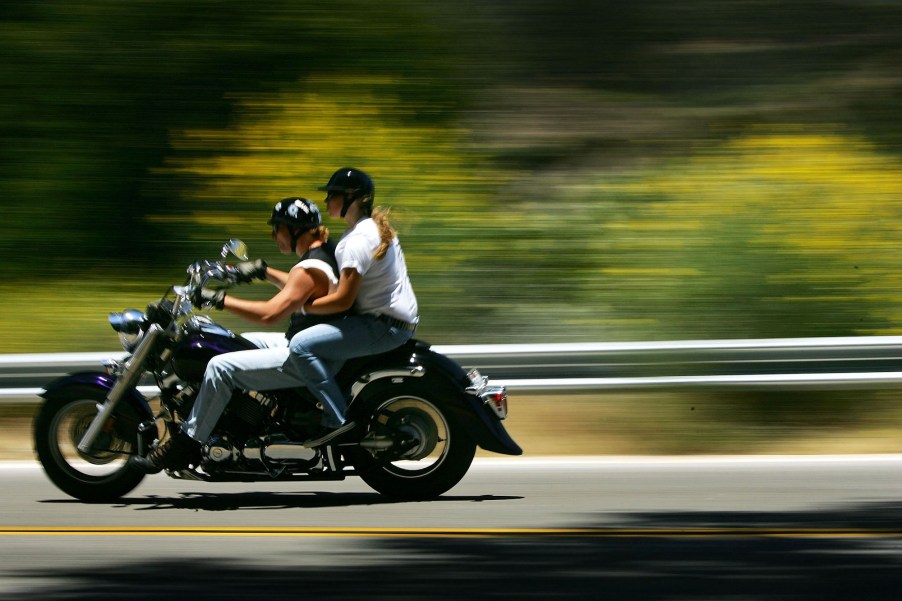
x,y
204,340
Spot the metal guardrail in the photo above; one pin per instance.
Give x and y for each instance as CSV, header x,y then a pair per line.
x,y
783,363
792,363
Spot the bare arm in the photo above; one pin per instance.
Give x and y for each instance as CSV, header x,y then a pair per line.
x,y
276,277
342,299
300,286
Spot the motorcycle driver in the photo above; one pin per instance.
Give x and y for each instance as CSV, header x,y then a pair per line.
x,y
373,280
296,228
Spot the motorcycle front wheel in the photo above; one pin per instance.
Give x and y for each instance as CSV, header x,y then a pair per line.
x,y
413,448
103,474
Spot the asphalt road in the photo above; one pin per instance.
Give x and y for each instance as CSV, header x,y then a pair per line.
x,y
569,528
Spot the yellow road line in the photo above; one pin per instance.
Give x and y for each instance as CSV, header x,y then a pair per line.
x,y
202,531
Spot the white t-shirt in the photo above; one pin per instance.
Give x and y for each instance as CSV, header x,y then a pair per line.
x,y
385,288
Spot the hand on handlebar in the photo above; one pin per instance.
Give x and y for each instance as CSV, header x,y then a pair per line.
x,y
248,271
204,298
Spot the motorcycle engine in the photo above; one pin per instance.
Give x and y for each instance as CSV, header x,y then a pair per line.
x,y
251,407
274,453
219,450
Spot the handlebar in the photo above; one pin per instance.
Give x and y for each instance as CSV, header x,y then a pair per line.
x,y
212,274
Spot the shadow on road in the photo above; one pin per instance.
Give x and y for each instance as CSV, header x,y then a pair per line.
x,y
204,501
674,560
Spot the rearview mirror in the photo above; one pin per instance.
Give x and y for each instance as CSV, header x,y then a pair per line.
x,y
236,247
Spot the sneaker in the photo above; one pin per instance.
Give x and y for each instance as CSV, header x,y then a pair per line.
x,y
325,434
177,453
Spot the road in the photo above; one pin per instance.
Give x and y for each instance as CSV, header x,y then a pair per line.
x,y
568,528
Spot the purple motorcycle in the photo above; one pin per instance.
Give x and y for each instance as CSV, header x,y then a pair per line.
x,y
420,415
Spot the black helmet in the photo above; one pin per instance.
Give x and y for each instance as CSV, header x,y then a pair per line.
x,y
354,184
296,212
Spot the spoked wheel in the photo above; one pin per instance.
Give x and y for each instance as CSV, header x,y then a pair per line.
x,y
413,449
103,474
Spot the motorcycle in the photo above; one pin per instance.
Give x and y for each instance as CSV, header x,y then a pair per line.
x,y
420,416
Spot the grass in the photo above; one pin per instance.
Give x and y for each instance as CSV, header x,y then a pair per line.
x,y
37,320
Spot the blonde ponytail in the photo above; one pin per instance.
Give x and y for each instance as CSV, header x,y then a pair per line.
x,y
386,231
321,233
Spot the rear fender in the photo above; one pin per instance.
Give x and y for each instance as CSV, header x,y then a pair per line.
x,y
442,373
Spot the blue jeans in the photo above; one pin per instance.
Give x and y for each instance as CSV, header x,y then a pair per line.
x,y
318,352
248,370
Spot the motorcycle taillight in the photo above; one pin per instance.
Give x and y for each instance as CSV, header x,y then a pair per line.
x,y
496,398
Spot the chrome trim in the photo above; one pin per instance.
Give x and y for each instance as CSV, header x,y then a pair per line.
x,y
289,451
113,367
415,371
478,382
253,451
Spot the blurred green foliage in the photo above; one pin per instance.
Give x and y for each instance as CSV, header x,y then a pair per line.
x,y
558,169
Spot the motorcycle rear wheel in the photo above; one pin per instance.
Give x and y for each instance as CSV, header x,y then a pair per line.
x,y
430,451
101,475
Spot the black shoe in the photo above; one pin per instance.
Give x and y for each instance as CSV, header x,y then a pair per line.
x,y
177,453
325,434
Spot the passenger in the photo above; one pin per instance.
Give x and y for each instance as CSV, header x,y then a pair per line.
x,y
373,281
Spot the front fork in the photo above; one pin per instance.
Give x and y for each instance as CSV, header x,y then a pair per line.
x,y
134,368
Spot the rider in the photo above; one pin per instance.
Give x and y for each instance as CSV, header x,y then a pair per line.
x,y
373,280
297,227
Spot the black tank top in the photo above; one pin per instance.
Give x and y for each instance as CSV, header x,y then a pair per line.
x,y
299,321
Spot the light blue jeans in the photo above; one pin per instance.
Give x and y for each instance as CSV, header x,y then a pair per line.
x,y
248,370
318,352
321,351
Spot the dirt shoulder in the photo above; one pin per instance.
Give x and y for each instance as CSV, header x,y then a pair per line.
x,y
630,424
15,439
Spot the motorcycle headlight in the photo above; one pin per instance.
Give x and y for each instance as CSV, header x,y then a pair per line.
x,y
129,325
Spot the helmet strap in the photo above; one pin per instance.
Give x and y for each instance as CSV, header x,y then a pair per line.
x,y
366,208
295,236
349,200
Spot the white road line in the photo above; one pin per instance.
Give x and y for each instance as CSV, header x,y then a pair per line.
x,y
571,461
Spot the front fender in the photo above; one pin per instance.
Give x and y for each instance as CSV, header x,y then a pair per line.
x,y
134,399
